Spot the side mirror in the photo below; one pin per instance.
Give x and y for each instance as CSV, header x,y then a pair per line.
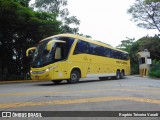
x,y
50,44
29,50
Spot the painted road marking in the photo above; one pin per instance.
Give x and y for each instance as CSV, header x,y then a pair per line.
x,y
79,101
71,92
134,86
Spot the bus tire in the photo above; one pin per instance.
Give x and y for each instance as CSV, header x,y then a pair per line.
x,y
57,82
74,77
122,75
118,75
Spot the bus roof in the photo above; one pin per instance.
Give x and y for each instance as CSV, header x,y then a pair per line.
x,y
84,39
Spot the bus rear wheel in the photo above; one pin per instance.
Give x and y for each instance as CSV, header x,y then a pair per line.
x,y
118,75
74,77
122,74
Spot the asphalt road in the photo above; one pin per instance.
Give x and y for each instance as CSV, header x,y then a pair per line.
x,y
129,94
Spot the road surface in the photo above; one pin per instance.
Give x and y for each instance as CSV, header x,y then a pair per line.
x,y
129,94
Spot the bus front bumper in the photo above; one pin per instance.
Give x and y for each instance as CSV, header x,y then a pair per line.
x,y
42,75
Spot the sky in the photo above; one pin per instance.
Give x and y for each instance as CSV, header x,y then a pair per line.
x,y
107,20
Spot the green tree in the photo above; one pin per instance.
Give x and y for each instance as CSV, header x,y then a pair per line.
x,y
126,44
87,36
20,28
150,43
52,6
149,1
59,8
24,3
153,46
146,13
155,69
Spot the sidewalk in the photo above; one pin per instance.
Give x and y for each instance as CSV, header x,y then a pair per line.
x,y
146,77
20,81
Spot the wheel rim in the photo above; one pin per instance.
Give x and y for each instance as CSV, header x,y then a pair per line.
x,y
122,74
73,76
118,75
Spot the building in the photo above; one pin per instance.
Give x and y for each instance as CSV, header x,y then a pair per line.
x,y
144,62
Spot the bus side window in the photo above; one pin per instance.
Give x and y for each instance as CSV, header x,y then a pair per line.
x,y
78,48
115,54
107,52
85,47
126,57
92,49
101,51
81,47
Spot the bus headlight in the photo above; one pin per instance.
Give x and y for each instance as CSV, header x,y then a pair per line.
x,y
43,71
50,68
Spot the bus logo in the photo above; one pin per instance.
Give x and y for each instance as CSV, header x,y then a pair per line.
x,y
6,114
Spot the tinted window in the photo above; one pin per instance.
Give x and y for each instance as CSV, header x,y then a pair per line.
x,y
69,42
90,48
107,52
81,47
125,56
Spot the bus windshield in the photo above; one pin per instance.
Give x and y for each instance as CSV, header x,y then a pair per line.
x,y
58,52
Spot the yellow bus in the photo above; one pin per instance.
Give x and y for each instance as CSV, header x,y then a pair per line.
x,y
71,57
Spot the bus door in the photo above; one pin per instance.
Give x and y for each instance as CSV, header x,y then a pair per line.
x,y
59,58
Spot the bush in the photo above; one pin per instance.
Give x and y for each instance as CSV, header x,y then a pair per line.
x,y
155,69
134,69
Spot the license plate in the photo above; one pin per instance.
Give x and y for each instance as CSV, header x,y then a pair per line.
x,y
37,77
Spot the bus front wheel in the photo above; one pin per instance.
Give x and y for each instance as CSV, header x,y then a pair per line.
x,y
74,77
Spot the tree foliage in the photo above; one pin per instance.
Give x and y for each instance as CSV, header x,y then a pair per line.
x,y
24,3
53,6
126,44
87,36
149,1
21,28
146,13
59,8
150,43
155,69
